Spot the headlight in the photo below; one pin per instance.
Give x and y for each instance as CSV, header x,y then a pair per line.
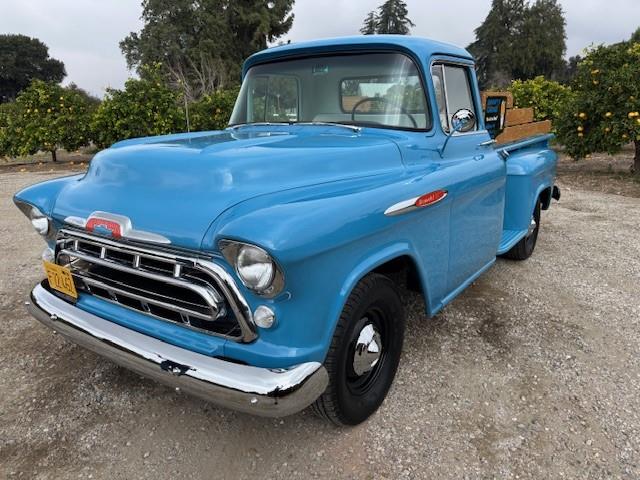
x,y
255,267
39,220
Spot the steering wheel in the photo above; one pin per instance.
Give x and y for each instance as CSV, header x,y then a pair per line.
x,y
272,100
383,100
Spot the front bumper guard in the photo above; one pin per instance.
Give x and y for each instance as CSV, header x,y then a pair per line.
x,y
254,390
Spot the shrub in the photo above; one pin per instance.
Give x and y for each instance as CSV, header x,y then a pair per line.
x,y
6,113
213,111
548,98
146,107
45,117
604,114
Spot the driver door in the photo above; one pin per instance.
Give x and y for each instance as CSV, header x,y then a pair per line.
x,y
477,178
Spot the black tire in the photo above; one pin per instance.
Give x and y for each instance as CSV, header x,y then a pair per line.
x,y
525,247
373,308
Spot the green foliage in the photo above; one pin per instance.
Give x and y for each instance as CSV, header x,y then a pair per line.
x,y
370,25
212,112
520,40
202,45
46,117
146,107
23,59
7,113
391,17
547,98
604,113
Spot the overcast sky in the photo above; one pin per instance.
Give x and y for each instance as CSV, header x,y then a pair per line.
x,y
84,34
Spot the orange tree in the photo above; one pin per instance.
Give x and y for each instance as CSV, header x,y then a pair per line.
x,y
45,117
213,111
146,107
547,98
604,113
6,116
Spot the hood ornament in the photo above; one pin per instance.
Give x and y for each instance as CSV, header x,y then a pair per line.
x,y
114,226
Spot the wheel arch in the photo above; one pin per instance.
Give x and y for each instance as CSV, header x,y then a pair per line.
x,y
545,195
390,257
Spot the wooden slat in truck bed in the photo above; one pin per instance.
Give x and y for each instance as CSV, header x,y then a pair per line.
x,y
511,134
518,116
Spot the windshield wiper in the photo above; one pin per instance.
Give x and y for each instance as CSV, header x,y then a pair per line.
x,y
355,128
257,124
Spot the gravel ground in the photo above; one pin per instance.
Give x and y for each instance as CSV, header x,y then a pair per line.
x,y
533,372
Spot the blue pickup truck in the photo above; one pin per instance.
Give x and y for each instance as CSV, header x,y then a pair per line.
x,y
253,266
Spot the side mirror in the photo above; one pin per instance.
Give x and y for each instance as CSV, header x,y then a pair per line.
x,y
463,121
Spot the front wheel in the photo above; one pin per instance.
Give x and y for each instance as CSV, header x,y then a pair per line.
x,y
364,353
524,248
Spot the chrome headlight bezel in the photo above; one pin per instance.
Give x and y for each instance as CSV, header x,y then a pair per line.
x,y
40,222
232,251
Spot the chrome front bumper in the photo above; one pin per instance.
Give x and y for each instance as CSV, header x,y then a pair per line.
x,y
259,391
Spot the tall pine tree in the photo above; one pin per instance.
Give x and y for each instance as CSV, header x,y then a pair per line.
x,y
370,25
391,17
519,40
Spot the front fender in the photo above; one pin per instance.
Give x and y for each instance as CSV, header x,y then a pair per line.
x,y
43,196
327,238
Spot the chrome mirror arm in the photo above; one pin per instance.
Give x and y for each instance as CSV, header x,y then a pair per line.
x,y
464,120
444,146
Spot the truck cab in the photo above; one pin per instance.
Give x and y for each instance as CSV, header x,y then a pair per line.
x,y
251,266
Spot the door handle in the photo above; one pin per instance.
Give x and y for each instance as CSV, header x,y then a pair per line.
x,y
488,143
478,157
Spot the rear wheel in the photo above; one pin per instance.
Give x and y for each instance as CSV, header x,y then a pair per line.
x,y
524,248
364,353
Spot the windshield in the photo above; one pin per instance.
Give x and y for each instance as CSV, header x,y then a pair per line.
x,y
374,89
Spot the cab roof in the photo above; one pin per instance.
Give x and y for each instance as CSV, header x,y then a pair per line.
x,y
420,47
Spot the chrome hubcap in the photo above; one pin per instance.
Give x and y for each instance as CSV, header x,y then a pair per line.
x,y
368,350
532,226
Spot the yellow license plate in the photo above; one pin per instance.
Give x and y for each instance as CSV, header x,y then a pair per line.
x,y
60,279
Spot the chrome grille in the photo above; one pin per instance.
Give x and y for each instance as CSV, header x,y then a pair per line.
x,y
191,291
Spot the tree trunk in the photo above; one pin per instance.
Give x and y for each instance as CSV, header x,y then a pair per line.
x,y
54,156
636,160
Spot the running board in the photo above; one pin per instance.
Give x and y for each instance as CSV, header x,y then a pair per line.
x,y
509,239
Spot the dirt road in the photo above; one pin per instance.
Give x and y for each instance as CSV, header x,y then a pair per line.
x,y
534,372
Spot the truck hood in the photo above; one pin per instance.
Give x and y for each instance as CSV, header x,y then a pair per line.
x,y
176,186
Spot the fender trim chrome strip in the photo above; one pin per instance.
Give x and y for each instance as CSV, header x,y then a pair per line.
x,y
259,391
409,205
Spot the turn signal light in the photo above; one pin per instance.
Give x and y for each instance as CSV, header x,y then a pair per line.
x,y
430,198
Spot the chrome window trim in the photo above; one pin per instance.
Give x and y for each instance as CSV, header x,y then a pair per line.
x,y
442,62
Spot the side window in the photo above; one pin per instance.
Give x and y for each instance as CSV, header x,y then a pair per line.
x,y
273,98
453,91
